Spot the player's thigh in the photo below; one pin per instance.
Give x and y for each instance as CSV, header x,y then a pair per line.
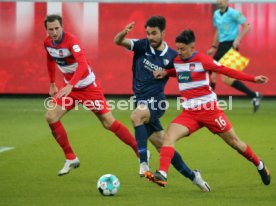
x,y
174,133
215,120
189,120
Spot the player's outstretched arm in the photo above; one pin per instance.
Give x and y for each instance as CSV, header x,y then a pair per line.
x,y
121,40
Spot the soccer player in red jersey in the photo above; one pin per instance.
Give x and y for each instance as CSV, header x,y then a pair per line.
x,y
81,86
200,108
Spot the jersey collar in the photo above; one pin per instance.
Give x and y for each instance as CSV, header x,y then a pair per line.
x,y
163,52
62,37
191,56
221,13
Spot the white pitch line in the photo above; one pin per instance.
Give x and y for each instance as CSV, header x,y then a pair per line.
x,y
4,149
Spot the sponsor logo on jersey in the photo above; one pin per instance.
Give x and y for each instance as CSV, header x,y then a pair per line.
x,y
61,62
150,66
184,77
76,48
148,54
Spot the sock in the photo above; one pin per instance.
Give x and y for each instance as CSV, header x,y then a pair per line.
x,y
124,134
61,137
260,166
166,155
251,156
163,173
181,167
141,135
241,87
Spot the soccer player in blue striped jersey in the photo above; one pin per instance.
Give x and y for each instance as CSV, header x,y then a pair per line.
x,y
150,54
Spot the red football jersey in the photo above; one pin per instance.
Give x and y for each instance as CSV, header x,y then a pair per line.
x,y
193,78
69,57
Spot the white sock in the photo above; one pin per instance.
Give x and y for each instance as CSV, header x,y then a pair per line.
x,y
163,173
260,166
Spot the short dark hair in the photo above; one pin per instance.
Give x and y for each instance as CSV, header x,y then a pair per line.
x,y
156,21
186,37
52,18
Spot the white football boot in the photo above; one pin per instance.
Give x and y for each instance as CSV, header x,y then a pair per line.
x,y
144,166
69,164
200,182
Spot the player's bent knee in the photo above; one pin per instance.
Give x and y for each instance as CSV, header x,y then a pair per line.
x,y
51,116
157,144
136,119
107,120
168,141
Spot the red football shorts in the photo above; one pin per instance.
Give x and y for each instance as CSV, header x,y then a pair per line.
x,y
91,97
211,117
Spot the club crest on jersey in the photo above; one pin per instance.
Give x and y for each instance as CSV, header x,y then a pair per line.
x,y
166,62
60,53
192,67
76,48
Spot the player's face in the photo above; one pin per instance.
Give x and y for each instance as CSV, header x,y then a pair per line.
x,y
185,50
154,36
222,4
54,30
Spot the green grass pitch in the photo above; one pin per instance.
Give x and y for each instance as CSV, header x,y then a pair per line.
x,y
28,173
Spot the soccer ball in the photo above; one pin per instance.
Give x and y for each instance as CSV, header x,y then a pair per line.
x,y
108,185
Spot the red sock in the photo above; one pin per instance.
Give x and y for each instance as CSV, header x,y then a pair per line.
x,y
166,155
251,156
124,134
62,139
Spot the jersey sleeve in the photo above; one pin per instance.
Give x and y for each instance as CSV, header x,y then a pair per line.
x,y
79,55
51,66
211,65
238,17
171,72
138,45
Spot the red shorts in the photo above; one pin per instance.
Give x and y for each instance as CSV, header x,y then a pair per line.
x,y
91,97
212,118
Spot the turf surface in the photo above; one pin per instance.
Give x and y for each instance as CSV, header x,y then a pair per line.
x,y
28,173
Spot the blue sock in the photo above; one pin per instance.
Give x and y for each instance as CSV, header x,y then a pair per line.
x,y
141,136
181,167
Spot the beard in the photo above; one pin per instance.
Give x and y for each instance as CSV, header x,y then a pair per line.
x,y
156,44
